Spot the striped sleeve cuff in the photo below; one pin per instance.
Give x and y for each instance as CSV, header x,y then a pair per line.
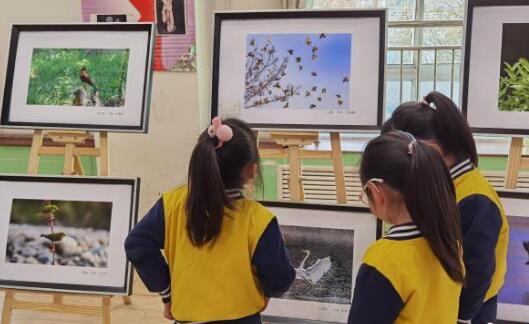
x,y
166,295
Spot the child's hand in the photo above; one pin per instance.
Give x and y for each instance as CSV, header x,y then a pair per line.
x,y
167,312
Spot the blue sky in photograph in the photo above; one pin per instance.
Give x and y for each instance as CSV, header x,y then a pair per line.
x,y
332,65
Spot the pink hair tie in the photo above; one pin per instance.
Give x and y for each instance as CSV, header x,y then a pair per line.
x,y
429,104
223,133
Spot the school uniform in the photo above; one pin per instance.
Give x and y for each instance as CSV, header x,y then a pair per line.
x,y
225,280
485,240
402,281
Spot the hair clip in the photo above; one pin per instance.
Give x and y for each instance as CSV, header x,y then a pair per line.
x,y
223,133
411,147
429,104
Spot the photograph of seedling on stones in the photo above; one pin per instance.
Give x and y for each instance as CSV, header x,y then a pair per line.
x,y
59,233
298,71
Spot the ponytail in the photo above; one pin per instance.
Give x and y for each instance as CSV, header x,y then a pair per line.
x,y
429,195
417,171
214,168
436,118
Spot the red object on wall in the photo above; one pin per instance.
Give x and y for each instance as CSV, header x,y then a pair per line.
x,y
146,9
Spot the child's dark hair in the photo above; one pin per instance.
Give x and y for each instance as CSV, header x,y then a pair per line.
x,y
212,171
417,171
437,118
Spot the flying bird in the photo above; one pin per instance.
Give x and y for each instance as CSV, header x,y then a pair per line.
x,y
314,89
314,74
338,96
85,77
319,98
285,105
277,85
322,36
54,237
312,106
300,67
252,42
283,73
526,247
49,209
290,51
308,41
307,93
314,57
314,49
345,79
323,90
250,54
315,272
298,59
340,102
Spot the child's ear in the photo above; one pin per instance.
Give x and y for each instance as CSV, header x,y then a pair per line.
x,y
250,171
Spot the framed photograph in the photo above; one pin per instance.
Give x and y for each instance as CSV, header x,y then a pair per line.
x,y
83,76
318,70
68,230
326,244
171,17
513,298
111,18
175,47
496,70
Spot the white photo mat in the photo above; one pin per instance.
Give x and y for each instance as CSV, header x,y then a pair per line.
x,y
515,206
117,272
364,95
364,225
484,69
129,115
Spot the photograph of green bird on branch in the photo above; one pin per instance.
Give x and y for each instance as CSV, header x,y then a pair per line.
x,y
59,232
78,77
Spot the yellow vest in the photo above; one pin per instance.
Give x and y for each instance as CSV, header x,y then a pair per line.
x,y
216,281
428,293
474,183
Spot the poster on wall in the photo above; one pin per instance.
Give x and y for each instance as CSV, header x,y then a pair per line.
x,y
175,48
69,230
83,76
496,98
326,245
513,298
300,70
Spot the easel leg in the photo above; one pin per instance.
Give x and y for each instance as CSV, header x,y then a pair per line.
x,y
339,175
107,315
57,299
103,154
78,166
514,163
8,307
295,182
36,144
68,168
127,300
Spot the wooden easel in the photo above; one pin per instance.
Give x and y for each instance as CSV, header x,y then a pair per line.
x,y
515,163
294,142
72,166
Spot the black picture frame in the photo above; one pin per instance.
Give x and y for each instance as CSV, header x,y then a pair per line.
x,y
114,18
17,29
512,313
126,288
303,14
472,4
310,206
181,22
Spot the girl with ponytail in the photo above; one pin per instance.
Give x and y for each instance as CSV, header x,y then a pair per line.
x,y
224,255
437,121
415,273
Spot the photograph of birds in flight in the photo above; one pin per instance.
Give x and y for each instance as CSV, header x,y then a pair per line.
x,y
298,71
78,77
59,233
